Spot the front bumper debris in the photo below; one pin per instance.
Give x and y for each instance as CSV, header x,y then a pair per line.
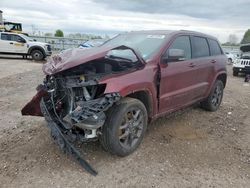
x,y
72,115
88,116
64,139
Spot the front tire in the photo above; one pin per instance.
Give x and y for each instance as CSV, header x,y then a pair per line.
x,y
214,99
125,127
37,55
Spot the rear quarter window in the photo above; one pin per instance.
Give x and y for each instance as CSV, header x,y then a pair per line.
x,y
199,47
214,47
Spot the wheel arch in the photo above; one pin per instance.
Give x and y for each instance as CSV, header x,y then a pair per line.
x,y
36,48
145,97
222,75
223,78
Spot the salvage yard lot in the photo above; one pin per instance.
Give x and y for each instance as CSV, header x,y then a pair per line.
x,y
185,149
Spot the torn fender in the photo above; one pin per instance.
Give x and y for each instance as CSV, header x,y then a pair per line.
x,y
32,108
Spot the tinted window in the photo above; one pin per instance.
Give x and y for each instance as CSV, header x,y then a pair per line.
x,y
15,38
214,47
199,47
182,43
4,36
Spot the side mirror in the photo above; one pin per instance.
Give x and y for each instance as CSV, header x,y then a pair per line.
x,y
174,55
21,40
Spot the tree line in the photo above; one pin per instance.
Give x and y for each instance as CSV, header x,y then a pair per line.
x,y
59,33
233,40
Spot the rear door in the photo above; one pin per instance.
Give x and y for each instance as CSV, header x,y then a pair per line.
x,y
201,54
5,45
177,78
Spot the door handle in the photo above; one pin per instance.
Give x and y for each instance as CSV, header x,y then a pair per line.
x,y
213,61
11,42
191,65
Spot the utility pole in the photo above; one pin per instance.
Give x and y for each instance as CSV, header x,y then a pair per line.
x,y
33,28
1,17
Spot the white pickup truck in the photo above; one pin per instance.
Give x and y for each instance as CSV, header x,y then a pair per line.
x,y
19,44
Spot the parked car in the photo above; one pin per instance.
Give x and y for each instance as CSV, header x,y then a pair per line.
x,y
92,43
110,93
242,65
231,57
20,44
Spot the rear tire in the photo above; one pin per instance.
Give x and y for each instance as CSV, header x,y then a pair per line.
x,y
125,127
214,99
37,55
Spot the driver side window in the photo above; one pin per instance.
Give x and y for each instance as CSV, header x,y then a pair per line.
x,y
16,38
182,43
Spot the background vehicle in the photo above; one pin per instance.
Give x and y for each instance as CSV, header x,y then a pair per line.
x,y
92,43
111,92
19,44
9,26
231,57
242,65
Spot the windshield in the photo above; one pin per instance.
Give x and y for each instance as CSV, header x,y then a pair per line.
x,y
26,37
146,44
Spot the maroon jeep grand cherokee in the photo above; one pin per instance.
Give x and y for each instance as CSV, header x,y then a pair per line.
x,y
111,92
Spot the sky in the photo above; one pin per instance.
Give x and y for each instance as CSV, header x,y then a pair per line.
x,y
216,17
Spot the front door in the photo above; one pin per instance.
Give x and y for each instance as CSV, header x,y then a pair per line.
x,y
18,44
178,78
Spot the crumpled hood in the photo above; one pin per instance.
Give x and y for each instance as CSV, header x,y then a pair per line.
x,y
74,57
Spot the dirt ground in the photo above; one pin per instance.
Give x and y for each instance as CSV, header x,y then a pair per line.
x,y
191,148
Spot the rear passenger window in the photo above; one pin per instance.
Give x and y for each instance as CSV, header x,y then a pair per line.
x,y
200,47
182,43
214,47
4,36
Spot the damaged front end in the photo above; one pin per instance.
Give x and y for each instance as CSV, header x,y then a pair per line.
x,y
74,109
78,104
74,103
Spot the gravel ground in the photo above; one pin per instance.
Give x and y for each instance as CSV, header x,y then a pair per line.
x,y
190,148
